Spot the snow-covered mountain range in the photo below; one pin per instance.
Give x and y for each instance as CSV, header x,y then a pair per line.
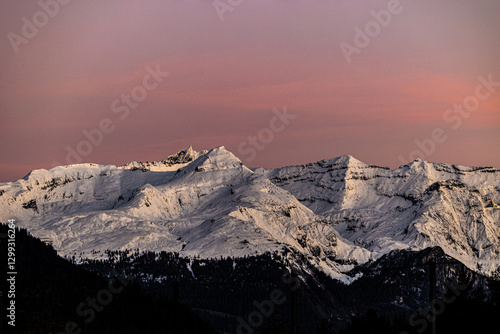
x,y
337,213
418,205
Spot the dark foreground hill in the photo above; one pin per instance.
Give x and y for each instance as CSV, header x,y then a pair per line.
x,y
166,293
391,295
53,295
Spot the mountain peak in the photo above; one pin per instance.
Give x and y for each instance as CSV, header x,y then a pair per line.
x,y
183,156
347,160
419,164
216,159
171,162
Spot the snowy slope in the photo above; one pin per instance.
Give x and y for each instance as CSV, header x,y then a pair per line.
x,y
198,204
418,205
337,212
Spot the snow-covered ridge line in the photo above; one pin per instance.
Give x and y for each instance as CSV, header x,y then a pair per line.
x,y
337,212
418,205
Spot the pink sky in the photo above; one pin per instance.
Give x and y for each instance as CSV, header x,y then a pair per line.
x,y
226,77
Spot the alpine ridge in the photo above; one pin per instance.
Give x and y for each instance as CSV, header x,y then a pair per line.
x,y
338,213
418,205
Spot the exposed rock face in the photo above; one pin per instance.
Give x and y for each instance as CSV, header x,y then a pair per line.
x,y
338,213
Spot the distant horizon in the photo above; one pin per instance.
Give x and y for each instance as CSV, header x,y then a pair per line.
x,y
278,83
249,166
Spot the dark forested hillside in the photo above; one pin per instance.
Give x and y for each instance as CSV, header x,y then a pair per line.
x,y
56,296
392,293
133,292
